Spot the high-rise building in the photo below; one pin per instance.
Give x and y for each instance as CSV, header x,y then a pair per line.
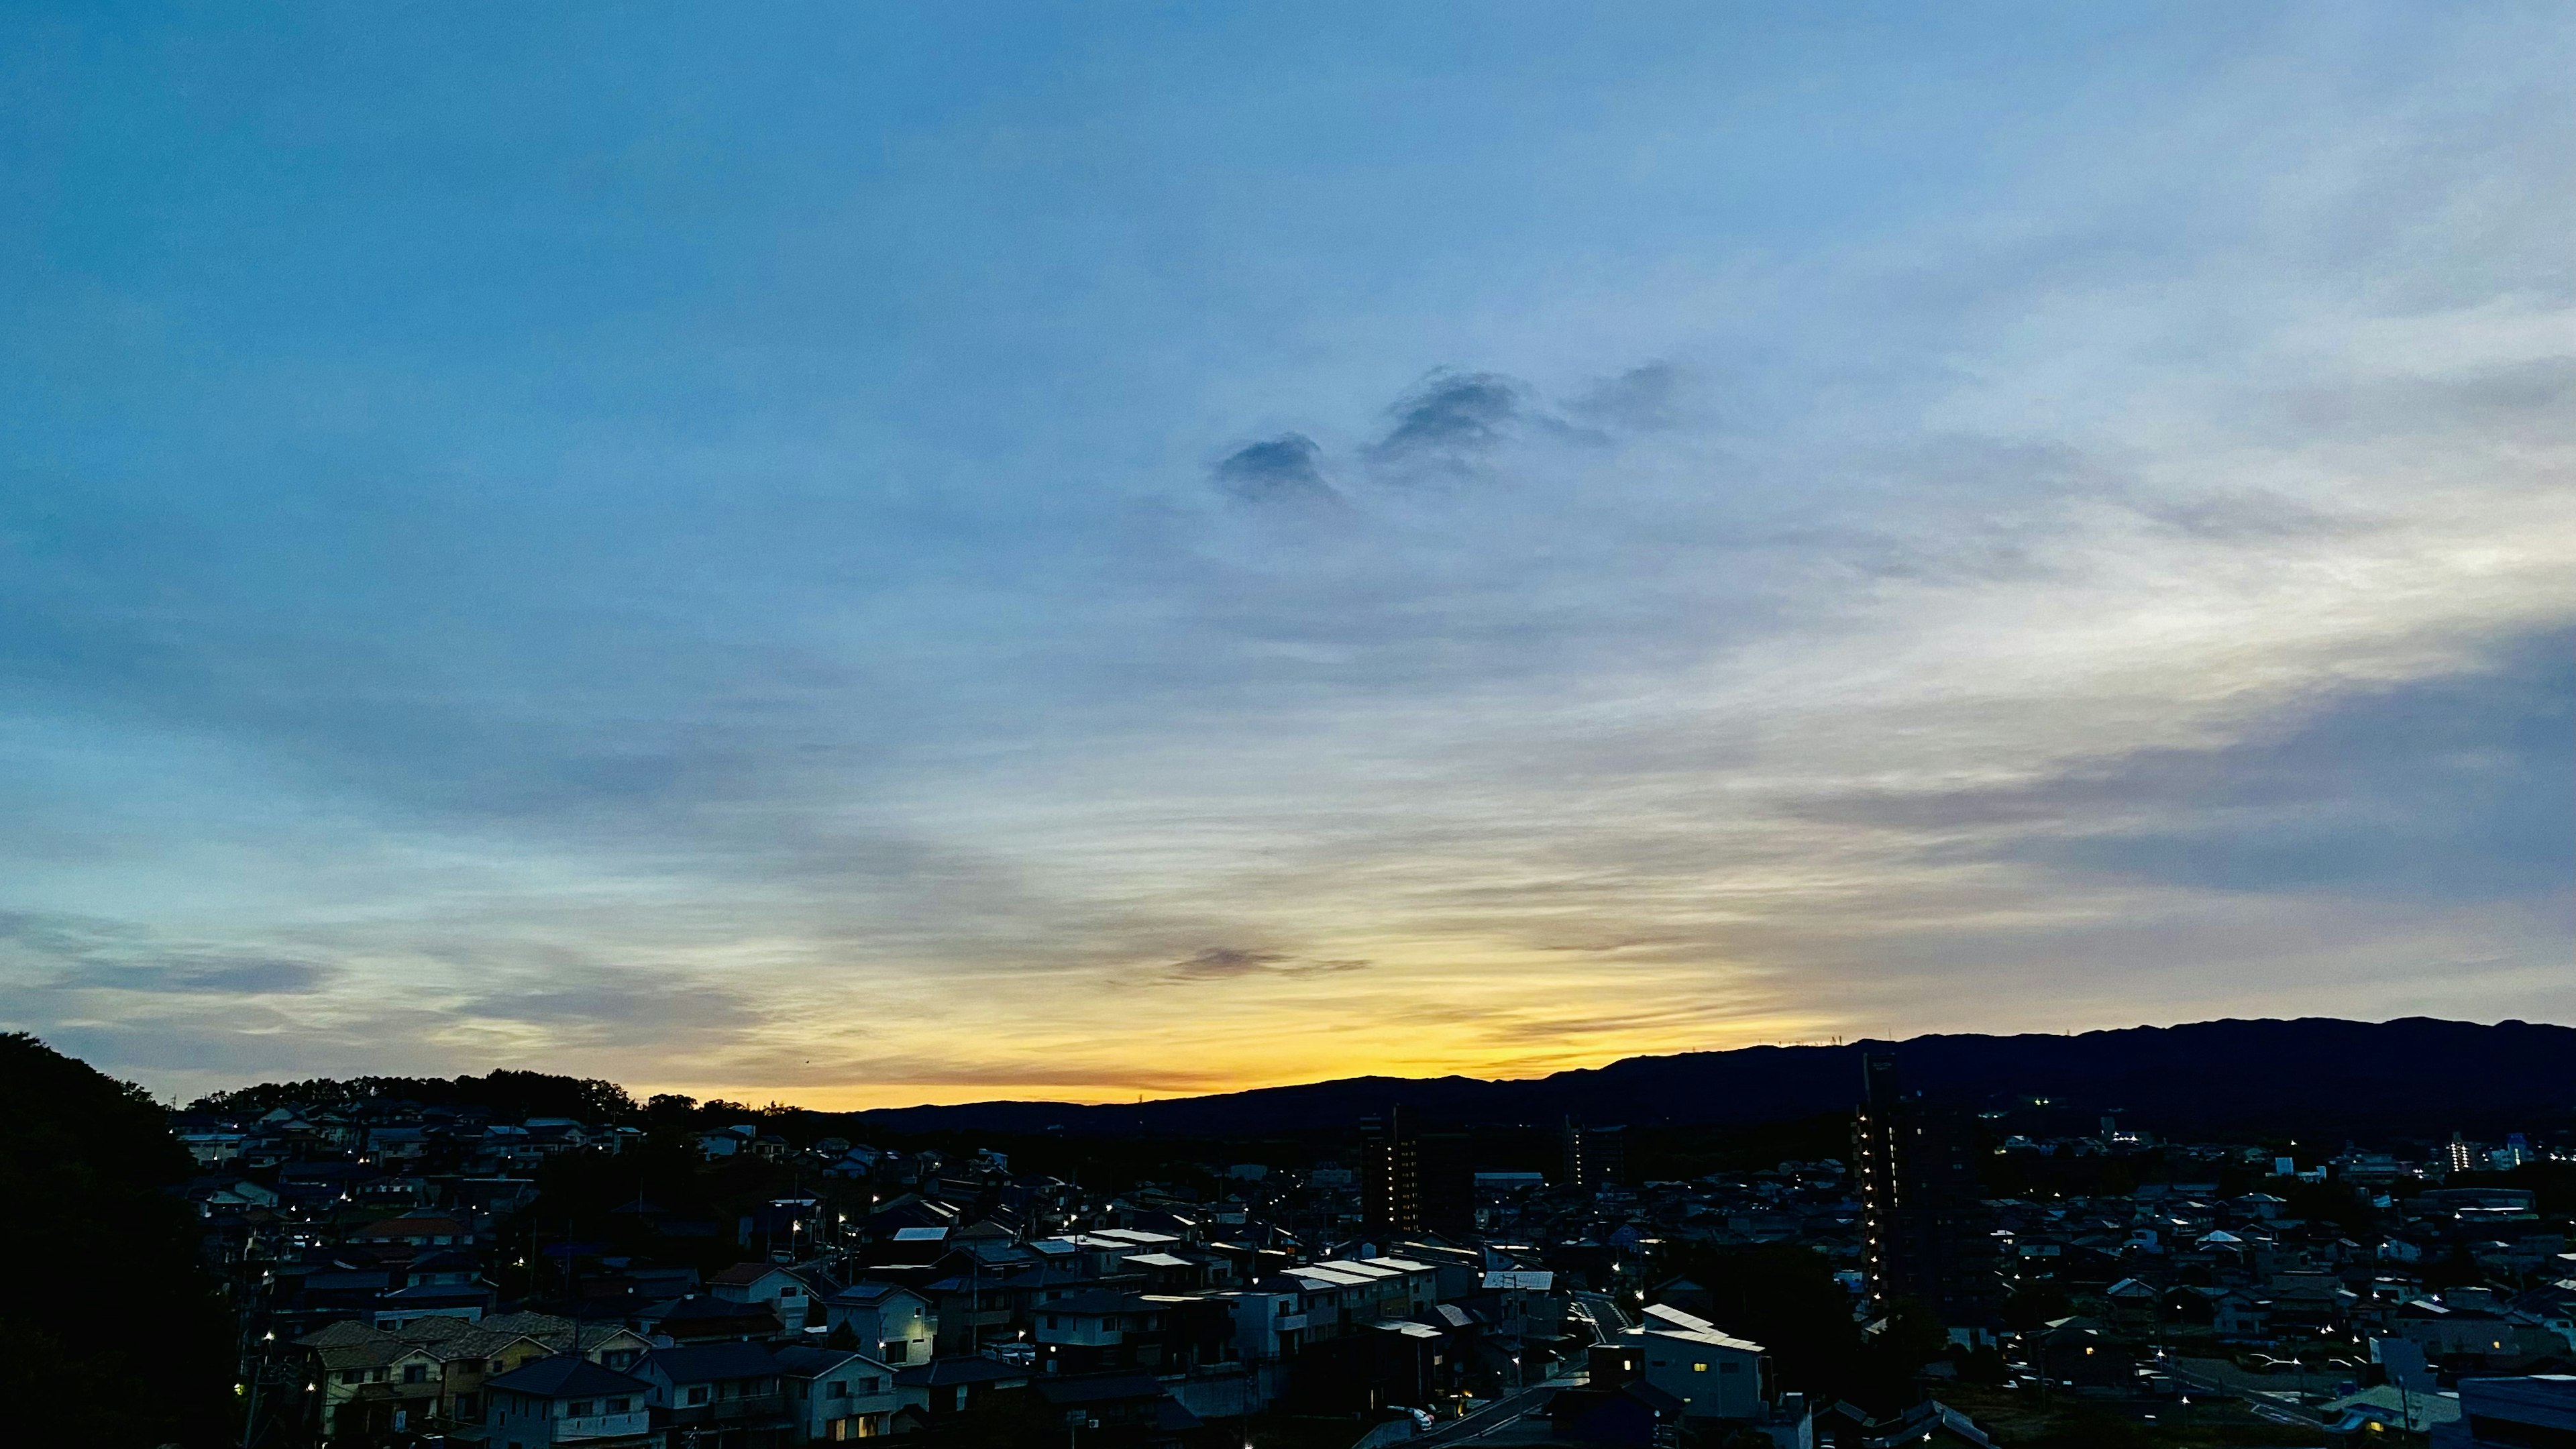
x,y
1927,1232
1594,1156
1390,1175
1446,1185
2461,1156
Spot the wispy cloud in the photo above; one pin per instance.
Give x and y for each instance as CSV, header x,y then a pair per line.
x,y
1222,963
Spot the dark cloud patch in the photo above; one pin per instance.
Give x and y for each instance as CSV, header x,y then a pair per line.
x,y
933,1070
1285,469
617,1004
1452,415
251,978
227,1045
52,934
1223,963
2532,401
2455,788
197,976
1641,400
2254,516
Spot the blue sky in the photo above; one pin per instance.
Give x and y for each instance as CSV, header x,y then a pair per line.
x,y
865,557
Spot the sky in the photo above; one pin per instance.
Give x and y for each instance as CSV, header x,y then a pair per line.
x,y
869,555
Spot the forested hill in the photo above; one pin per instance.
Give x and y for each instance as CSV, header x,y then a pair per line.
x,y
2312,1075
111,1331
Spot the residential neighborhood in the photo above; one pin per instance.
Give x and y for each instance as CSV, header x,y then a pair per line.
x,y
409,1273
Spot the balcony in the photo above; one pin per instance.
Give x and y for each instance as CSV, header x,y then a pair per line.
x,y
747,1409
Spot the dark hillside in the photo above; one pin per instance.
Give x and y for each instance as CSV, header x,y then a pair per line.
x,y
2308,1077
111,1332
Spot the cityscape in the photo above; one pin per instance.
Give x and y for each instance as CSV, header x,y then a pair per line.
x,y
525,1260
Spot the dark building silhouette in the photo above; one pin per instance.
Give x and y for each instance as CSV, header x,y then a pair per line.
x,y
1928,1233
1594,1156
1390,1175
1447,1182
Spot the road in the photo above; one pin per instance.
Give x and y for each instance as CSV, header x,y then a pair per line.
x,y
2261,1402
1608,1319
1499,1415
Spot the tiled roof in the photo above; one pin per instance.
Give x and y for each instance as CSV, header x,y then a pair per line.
x,y
565,1376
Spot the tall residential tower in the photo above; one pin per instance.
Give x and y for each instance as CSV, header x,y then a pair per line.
x,y
1928,1233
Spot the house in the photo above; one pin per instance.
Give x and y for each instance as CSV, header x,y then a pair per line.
x,y
466,1301
1682,1293
209,1148
1166,1272
434,1367
935,1391
1712,1374
2082,1357
703,1318
1847,1426
2517,1412
971,1309
2390,1406
2467,1327
1634,1415
833,1394
1123,1408
469,1357
373,1384
717,1389
1105,1330
2552,1306
1408,1363
568,1400
788,1294
2240,1315
397,1144
886,1321
1099,1330
423,1229
2133,1303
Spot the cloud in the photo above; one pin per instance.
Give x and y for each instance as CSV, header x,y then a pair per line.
x,y
2454,788
1286,470
1644,399
1451,416
983,1076
1222,963
2450,787
235,978
71,953
2252,514
216,976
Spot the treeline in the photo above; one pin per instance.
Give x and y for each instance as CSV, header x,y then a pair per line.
x,y
502,1093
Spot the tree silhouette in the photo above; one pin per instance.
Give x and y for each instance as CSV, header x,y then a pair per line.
x,y
111,1330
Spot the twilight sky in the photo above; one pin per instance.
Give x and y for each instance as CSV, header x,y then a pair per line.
x,y
860,556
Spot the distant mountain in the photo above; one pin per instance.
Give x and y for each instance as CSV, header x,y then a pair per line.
x,y
2414,1076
